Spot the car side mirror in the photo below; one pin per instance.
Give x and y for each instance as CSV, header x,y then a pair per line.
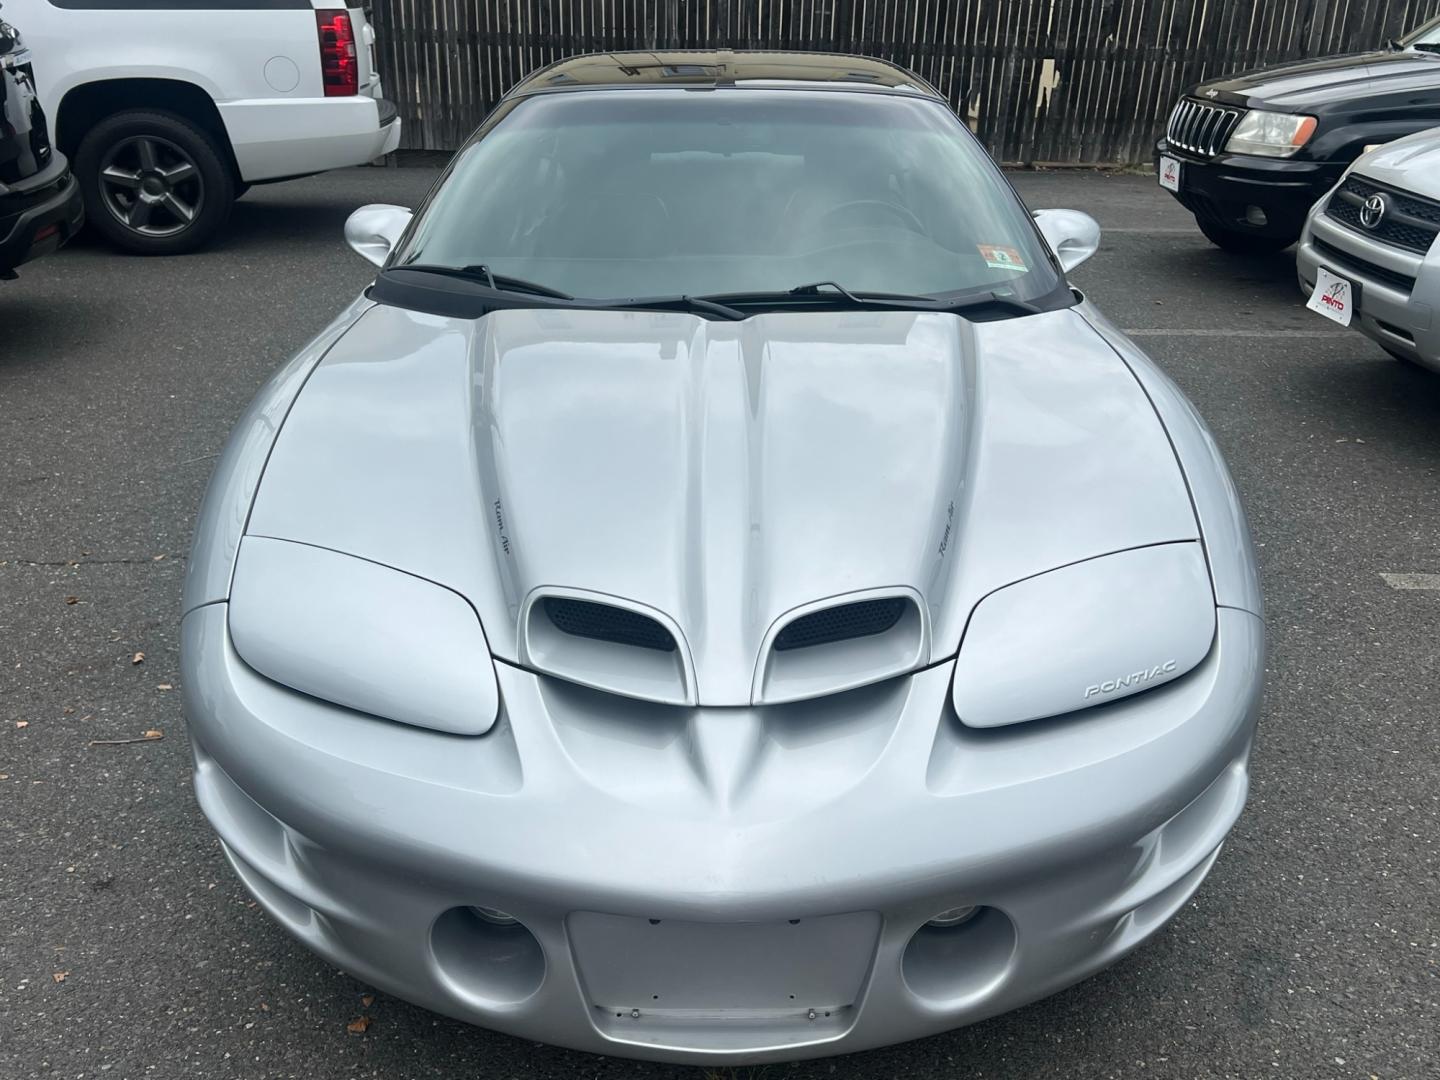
x,y
374,230
1073,236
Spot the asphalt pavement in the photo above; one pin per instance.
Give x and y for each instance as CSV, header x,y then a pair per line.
x,y
128,949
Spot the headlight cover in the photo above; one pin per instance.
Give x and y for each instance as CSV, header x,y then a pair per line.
x,y
362,635
1085,634
1270,134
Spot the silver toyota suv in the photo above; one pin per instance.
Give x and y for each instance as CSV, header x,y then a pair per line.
x,y
1368,257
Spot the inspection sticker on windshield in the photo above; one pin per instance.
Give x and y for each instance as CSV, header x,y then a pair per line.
x,y
1334,297
1002,258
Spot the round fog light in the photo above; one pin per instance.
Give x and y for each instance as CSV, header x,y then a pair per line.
x,y
954,916
494,915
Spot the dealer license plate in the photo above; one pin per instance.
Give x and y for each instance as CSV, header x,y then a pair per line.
x,y
1334,297
1169,173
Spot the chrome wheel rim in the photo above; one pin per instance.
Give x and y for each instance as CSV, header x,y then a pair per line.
x,y
151,186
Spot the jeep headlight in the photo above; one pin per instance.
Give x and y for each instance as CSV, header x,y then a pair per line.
x,y
1270,134
1085,634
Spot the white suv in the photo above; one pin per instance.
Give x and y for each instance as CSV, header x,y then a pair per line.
x,y
170,109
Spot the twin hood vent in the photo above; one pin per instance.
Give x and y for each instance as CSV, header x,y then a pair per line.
x,y
587,619
829,625
821,648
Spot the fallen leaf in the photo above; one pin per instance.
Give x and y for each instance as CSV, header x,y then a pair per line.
x,y
72,599
138,658
357,1026
59,976
154,733
157,558
164,686
4,776
22,723
367,1000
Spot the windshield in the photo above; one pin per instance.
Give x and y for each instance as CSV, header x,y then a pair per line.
x,y
636,193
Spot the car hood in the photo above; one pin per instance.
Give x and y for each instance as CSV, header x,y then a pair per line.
x,y
1411,163
719,473
1311,83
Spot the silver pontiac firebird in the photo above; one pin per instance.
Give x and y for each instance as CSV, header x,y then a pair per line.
x,y
720,595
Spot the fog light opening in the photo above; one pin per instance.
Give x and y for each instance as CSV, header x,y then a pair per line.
x,y
954,916
958,963
1255,216
487,962
494,915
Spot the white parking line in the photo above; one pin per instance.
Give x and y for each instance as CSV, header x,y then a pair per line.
x,y
1412,581
1166,231
1161,331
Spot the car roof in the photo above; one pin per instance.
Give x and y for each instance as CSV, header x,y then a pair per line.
x,y
721,67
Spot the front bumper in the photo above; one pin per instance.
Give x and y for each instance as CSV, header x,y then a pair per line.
x,y
1399,292
722,885
1225,188
50,199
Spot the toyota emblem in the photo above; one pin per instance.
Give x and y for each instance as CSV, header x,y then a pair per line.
x,y
1372,211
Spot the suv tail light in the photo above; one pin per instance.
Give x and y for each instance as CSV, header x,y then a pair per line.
x,y
339,67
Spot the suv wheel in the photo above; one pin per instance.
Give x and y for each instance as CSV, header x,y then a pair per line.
x,y
153,182
1243,243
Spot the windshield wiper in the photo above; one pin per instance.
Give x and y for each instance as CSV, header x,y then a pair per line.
x,y
504,283
1426,46
992,298
672,303
481,273
735,306
829,292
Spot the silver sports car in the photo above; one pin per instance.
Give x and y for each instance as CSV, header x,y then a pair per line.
x,y
720,595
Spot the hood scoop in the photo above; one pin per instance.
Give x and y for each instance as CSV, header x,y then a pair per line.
x,y
863,618
623,647
842,643
604,622
607,643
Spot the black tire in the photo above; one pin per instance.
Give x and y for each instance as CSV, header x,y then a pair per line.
x,y
167,166
240,189
1243,243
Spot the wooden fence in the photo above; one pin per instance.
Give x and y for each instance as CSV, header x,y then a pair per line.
x,y
1073,81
